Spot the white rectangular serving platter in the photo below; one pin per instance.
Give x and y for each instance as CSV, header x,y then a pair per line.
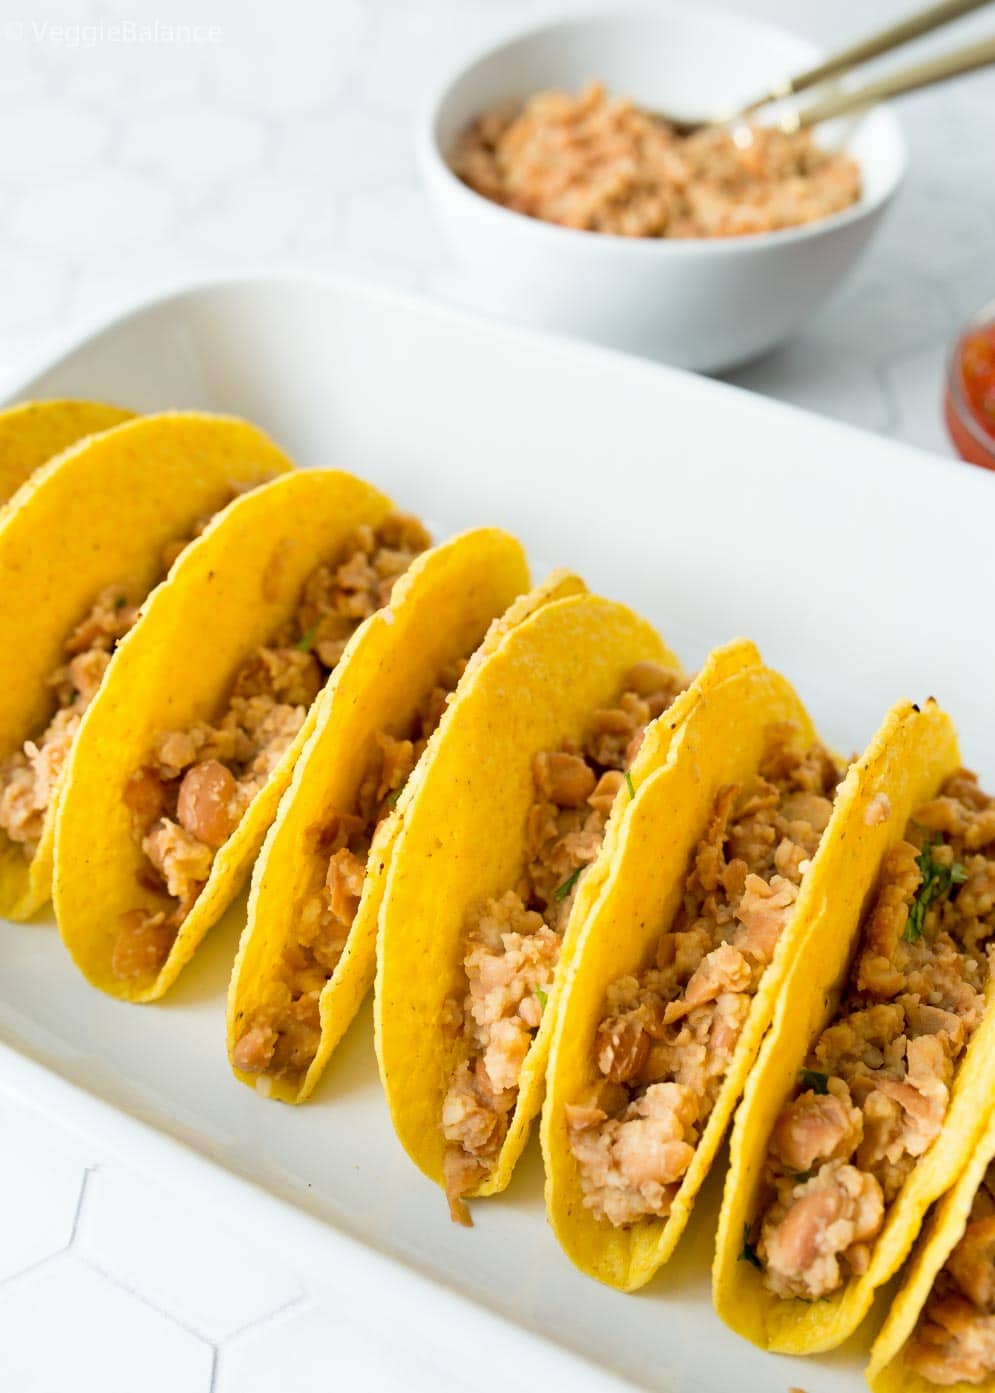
x,y
862,568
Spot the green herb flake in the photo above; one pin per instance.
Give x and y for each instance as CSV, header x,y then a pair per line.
x,y
120,601
811,1078
629,784
801,1176
936,882
306,642
749,1253
562,891
393,796
541,997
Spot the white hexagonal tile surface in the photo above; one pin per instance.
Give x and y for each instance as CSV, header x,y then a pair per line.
x,y
324,1352
65,1326
41,1177
181,1255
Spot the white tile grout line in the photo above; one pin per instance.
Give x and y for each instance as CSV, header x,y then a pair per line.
x,y
13,1277
84,1186
300,1299
115,1280
134,1291
303,1299
302,1302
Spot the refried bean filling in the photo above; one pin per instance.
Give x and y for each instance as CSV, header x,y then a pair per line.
x,y
668,1035
876,1085
600,164
280,1038
512,942
29,776
188,799
954,1341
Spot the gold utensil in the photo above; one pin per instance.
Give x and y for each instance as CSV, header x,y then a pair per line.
x,y
838,102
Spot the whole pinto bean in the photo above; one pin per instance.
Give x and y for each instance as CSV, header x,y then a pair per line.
x,y
205,806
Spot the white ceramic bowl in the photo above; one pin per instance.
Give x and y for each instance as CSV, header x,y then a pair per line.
x,y
699,303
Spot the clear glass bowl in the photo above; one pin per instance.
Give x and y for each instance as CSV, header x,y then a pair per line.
x,y
972,427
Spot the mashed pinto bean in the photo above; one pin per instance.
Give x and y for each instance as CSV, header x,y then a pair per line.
x,y
191,795
29,776
668,1035
281,1037
876,1086
954,1341
513,941
601,164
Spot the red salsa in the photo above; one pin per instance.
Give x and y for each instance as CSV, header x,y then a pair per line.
x,y
970,401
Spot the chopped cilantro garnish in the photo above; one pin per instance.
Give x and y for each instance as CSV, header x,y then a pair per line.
x,y
802,1176
120,601
542,998
393,796
305,643
749,1253
629,784
811,1078
562,891
936,882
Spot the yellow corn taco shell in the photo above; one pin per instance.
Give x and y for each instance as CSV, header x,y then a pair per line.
x,y
439,613
34,432
737,656
887,1371
100,514
463,840
909,757
225,596
723,724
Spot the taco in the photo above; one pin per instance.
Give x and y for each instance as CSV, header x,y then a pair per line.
x,y
34,432
873,1084
182,759
940,1330
715,875
86,538
308,952
495,863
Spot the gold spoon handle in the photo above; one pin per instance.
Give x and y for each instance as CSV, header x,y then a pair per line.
x,y
914,27
963,60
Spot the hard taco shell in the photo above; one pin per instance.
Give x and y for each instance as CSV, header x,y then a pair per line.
x,y
887,1371
439,612
226,595
100,514
34,432
723,721
904,765
463,841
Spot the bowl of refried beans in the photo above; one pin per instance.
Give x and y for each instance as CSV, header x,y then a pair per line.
x,y
569,204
